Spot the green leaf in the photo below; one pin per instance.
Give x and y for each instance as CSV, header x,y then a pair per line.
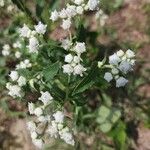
x,y
103,114
50,71
87,81
106,127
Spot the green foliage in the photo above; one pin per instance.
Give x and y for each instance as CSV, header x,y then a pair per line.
x,y
107,117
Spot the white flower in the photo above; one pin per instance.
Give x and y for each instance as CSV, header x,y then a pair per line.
x,y
120,53
114,71
33,135
52,130
66,24
78,2
80,48
44,118
24,64
31,108
38,111
2,3
13,75
31,126
67,69
108,76
46,97
14,91
33,45
121,81
71,11
76,59
67,137
68,58
40,28
125,67
79,10
38,143
114,59
79,69
66,43
92,4
58,116
63,14
130,54
25,31
6,50
54,15
18,54
21,81
17,45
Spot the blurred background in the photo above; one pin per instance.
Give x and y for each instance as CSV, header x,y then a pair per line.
x,y
125,24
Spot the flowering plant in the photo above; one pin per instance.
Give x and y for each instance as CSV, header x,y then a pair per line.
x,y
64,75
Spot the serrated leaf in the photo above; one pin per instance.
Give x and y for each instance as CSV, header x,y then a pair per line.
x,y
50,71
87,81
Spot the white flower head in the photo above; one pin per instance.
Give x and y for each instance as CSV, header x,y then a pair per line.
x,y
78,2
114,71
130,54
79,10
125,67
33,45
38,111
25,31
31,126
80,48
71,11
66,44
21,81
120,53
38,143
54,15
40,28
79,69
59,116
114,59
68,58
63,13
14,75
67,137
6,50
66,24
67,69
2,3
17,45
93,4
121,81
46,97
17,54
76,59
108,76
34,135
14,91
31,108
52,130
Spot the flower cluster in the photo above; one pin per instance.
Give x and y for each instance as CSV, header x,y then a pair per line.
x,y
121,63
18,82
6,50
47,124
72,10
26,32
73,59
